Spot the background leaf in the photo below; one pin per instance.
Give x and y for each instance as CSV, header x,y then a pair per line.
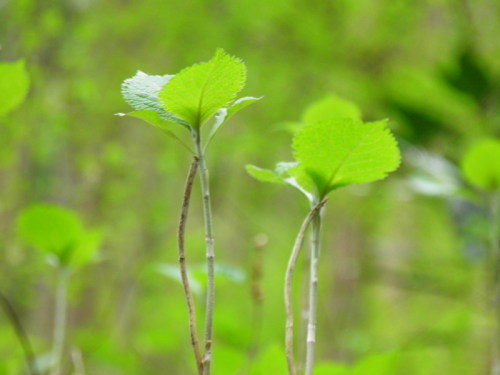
x,y
14,84
344,151
58,232
197,92
331,107
481,164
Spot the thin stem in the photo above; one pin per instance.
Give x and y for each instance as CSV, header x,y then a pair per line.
x,y
183,268
495,256
21,335
289,285
209,244
60,321
78,366
313,293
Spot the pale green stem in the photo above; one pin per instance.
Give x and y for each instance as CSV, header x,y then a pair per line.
x,y
313,293
495,256
210,256
59,337
289,285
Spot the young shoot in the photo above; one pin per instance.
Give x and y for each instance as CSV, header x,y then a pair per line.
x,y
60,235
481,169
184,104
330,152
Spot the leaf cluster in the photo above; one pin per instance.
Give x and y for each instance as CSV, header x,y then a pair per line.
x,y
58,233
481,164
190,98
331,151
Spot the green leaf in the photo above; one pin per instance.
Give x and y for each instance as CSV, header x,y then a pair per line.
x,y
14,85
141,93
223,114
239,104
172,271
58,232
481,164
329,108
85,251
289,173
197,92
219,118
153,118
341,152
264,175
51,229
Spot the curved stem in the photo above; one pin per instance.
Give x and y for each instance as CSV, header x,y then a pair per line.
x,y
20,333
210,256
289,285
313,293
60,320
195,343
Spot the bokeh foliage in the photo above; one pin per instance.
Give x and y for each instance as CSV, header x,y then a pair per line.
x,y
405,274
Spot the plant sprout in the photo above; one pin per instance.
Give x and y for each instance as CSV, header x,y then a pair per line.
x,y
330,152
481,168
60,235
187,102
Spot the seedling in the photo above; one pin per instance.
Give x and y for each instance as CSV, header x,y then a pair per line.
x,y
330,153
60,235
186,103
481,168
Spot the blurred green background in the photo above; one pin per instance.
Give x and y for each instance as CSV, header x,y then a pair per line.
x,y
405,266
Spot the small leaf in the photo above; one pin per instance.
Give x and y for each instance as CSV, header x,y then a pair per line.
x,y
481,164
49,228
223,272
289,173
153,118
197,92
224,114
329,108
59,233
220,117
239,104
341,152
14,84
141,93
172,271
264,175
86,250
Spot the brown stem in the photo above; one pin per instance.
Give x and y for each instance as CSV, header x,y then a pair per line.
x,y
182,264
289,284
